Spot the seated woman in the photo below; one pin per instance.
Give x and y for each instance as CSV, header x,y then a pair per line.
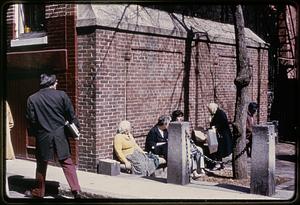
x,y
197,159
157,137
129,152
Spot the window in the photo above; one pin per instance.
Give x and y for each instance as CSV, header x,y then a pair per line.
x,y
30,25
34,16
31,18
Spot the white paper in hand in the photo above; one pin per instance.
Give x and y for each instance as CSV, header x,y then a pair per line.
x,y
160,143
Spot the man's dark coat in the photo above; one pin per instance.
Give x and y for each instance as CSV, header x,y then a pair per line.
x,y
225,143
154,137
47,111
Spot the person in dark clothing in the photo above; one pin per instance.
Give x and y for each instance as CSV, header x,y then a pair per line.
x,y
47,111
224,136
252,107
157,138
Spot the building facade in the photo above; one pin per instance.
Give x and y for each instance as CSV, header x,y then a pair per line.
x,y
122,62
41,38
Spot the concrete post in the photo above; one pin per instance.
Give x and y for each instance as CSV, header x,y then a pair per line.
x,y
275,123
178,154
108,167
263,160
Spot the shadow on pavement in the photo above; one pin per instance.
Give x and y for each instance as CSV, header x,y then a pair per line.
x,y
290,188
212,174
20,184
234,187
158,179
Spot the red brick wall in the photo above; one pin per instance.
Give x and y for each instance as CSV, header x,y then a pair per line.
x,y
10,23
86,100
152,86
61,29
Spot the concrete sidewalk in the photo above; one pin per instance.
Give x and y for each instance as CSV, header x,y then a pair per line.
x,y
127,186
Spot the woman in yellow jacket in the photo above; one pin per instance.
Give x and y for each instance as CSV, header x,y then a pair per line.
x,y
129,152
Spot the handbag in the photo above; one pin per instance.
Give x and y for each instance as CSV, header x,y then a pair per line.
x,y
212,140
72,130
153,157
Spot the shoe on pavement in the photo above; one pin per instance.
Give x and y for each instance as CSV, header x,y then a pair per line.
x,y
196,175
29,194
77,195
218,167
202,171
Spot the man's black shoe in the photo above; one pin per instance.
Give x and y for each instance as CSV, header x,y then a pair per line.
x,y
77,195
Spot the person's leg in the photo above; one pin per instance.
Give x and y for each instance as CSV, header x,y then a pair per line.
x,y
165,151
70,174
40,175
211,164
220,165
200,161
195,166
250,145
201,158
217,164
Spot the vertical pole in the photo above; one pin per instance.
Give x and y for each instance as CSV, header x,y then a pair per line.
x,y
187,68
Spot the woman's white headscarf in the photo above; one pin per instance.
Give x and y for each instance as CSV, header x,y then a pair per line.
x,y
212,107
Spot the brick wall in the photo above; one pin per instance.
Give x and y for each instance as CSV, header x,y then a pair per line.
x,y
60,24
10,23
139,77
86,100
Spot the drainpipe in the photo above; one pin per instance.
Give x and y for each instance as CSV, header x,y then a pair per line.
x,y
258,82
187,68
127,58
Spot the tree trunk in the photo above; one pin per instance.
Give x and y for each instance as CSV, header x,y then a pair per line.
x,y
241,81
187,68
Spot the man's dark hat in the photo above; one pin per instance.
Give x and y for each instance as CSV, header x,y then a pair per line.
x,y
47,80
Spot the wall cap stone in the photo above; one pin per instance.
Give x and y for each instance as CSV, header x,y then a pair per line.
x,y
136,18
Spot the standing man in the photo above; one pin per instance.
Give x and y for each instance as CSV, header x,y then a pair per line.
x,y
47,111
